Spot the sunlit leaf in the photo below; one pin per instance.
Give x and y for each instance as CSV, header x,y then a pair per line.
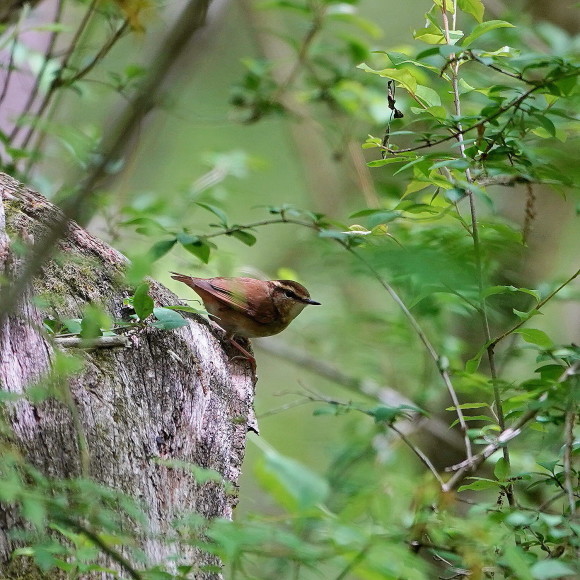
x,y
484,28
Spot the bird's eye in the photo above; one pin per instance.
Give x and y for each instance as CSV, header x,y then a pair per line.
x,y
289,293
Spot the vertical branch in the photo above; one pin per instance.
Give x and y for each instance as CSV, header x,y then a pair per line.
x,y
530,213
568,448
475,232
9,67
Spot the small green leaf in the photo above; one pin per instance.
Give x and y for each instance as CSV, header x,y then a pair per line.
x,y
195,245
142,302
292,484
479,485
547,569
73,325
402,76
526,315
473,363
168,319
159,249
501,469
484,28
506,289
216,211
34,510
473,7
535,336
94,319
147,226
386,161
244,237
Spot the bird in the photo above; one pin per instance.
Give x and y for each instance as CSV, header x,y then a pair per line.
x,y
247,307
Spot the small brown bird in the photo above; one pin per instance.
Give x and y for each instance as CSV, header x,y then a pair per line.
x,y
248,307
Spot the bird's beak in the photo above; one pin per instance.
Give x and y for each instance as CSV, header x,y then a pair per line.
x,y
313,302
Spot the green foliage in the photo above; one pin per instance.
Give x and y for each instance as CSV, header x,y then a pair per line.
x,y
477,110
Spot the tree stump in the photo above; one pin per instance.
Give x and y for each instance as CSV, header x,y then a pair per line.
x,y
167,395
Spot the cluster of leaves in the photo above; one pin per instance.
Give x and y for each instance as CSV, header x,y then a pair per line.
x,y
331,39
96,323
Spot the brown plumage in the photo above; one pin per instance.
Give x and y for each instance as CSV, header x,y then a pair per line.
x,y
248,307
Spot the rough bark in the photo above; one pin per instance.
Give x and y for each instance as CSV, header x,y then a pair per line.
x,y
169,394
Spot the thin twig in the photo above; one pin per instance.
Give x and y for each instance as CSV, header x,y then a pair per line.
x,y
59,81
90,343
315,28
99,56
318,398
540,304
10,66
530,212
95,539
424,459
568,448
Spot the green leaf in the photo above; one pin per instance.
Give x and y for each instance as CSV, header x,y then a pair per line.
x,y
292,484
244,237
551,568
526,315
429,97
168,319
216,211
73,325
484,28
545,123
473,418
387,161
473,363
516,559
147,226
479,485
473,7
159,249
195,245
403,76
535,336
506,289
94,319
34,510
501,469
142,302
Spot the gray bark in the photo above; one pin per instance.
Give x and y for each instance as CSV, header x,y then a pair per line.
x,y
169,394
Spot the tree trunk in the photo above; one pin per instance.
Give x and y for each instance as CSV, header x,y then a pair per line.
x,y
170,395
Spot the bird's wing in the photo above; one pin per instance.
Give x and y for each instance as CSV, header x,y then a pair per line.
x,y
226,291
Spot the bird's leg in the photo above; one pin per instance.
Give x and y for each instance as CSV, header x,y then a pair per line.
x,y
230,338
246,354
